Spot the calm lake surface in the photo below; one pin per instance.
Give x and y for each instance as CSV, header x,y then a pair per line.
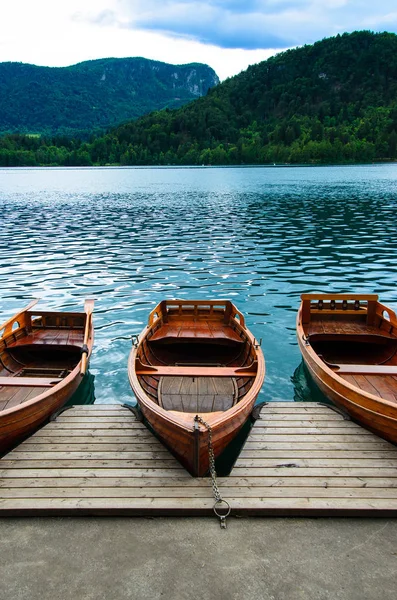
x,y
132,236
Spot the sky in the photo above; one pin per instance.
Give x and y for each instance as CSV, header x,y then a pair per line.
x,y
228,35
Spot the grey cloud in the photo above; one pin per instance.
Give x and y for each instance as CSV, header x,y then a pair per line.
x,y
250,24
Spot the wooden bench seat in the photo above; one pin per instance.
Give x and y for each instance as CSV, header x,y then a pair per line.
x,y
347,328
50,337
200,331
249,371
366,369
29,381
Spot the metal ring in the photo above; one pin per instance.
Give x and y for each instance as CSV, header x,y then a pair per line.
x,y
227,510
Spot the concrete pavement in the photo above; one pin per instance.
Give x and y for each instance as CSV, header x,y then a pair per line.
x,y
176,558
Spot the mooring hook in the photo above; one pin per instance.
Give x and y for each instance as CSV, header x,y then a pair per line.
x,y
221,517
135,340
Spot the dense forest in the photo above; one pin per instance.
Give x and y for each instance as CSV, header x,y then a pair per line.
x,y
94,95
331,102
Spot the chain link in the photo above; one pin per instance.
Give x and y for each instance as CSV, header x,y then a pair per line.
x,y
215,488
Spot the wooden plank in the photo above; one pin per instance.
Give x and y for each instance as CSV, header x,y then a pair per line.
x,y
197,506
84,428
165,371
197,492
95,408
29,381
130,432
347,428
367,369
345,444
269,438
119,445
323,453
304,424
346,296
186,482
102,413
54,463
277,410
87,470
73,421
312,471
91,455
256,458
297,416
248,451
380,463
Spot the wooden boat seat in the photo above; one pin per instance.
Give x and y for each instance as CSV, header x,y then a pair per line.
x,y
202,330
346,328
161,371
29,381
366,369
53,337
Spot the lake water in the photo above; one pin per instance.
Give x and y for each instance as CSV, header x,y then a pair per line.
x,y
132,236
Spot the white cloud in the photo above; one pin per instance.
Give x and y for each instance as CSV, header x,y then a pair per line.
x,y
226,34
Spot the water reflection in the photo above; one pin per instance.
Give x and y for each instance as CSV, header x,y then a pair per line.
x,y
85,393
305,390
130,237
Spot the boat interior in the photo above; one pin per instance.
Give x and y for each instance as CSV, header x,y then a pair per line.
x,y
37,352
357,340
196,358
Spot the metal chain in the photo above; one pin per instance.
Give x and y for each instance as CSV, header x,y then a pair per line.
x,y
211,457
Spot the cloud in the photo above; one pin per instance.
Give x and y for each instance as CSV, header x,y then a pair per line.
x,y
248,24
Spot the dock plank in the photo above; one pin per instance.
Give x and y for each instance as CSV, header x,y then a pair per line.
x,y
300,459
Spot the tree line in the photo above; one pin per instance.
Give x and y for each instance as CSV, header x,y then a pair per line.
x,y
331,102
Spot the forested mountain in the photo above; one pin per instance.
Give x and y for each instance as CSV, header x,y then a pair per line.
x,y
334,101
94,95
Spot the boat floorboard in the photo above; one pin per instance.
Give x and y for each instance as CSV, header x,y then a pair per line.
x,y
300,459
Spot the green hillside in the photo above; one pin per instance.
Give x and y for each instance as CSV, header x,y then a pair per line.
x,y
94,95
331,102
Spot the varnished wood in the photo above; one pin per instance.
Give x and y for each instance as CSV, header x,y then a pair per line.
x,y
40,356
181,338
28,381
332,346
368,369
196,371
88,308
139,479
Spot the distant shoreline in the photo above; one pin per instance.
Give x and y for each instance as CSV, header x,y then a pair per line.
x,y
184,167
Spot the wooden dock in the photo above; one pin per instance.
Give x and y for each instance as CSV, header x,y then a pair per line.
x,y
300,459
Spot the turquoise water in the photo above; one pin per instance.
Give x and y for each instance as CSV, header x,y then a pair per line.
x,y
259,236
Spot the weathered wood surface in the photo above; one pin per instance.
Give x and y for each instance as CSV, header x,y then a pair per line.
x,y
300,459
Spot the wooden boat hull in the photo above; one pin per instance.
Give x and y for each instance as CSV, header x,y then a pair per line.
x,y
20,417
374,412
188,442
14,427
184,437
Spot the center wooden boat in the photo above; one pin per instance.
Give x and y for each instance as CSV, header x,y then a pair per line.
x,y
349,345
196,358
43,356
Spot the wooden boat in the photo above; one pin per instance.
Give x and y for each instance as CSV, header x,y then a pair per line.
x,y
196,358
43,356
349,345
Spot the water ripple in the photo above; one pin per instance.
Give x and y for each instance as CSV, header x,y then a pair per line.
x,y
131,237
